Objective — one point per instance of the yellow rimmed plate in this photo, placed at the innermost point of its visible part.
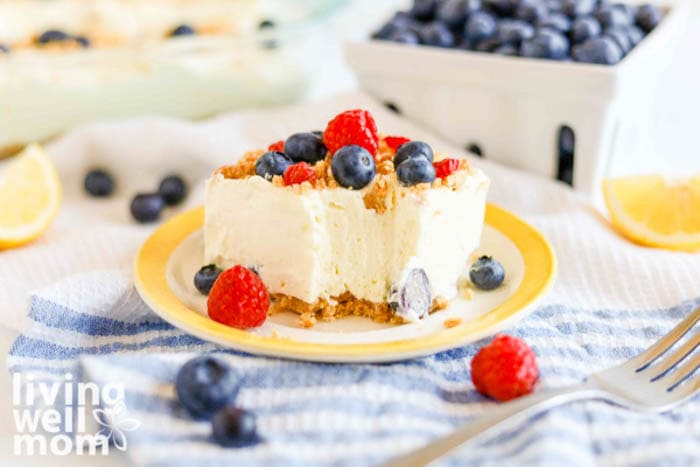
(167, 261)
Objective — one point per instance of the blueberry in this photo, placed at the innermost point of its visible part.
(488, 45)
(146, 207)
(599, 50)
(576, 8)
(411, 150)
(353, 167)
(53, 35)
(424, 10)
(475, 149)
(412, 299)
(513, 31)
(82, 41)
(4, 49)
(415, 170)
(648, 17)
(234, 427)
(630, 10)
(547, 43)
(506, 49)
(436, 34)
(479, 26)
(305, 147)
(502, 7)
(272, 163)
(584, 28)
(531, 11)
(182, 30)
(173, 189)
(405, 37)
(206, 276)
(455, 12)
(558, 21)
(99, 183)
(205, 384)
(621, 37)
(487, 273)
(386, 31)
(635, 34)
(266, 24)
(610, 16)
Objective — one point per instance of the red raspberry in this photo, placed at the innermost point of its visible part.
(352, 127)
(445, 167)
(394, 142)
(299, 173)
(505, 368)
(238, 299)
(278, 146)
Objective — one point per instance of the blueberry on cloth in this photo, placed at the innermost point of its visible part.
(99, 183)
(412, 299)
(305, 147)
(206, 276)
(353, 167)
(414, 171)
(272, 163)
(146, 207)
(205, 384)
(487, 273)
(234, 427)
(411, 150)
(173, 189)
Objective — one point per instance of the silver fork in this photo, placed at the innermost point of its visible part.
(657, 380)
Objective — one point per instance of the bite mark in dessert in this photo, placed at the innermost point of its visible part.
(355, 238)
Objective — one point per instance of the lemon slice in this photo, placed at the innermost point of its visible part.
(653, 211)
(30, 195)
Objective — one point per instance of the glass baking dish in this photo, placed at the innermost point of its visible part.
(44, 92)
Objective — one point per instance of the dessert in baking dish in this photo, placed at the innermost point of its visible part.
(346, 222)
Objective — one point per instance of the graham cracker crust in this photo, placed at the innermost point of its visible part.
(339, 307)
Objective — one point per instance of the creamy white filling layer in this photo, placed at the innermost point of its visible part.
(323, 243)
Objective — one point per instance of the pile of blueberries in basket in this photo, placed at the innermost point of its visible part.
(589, 31)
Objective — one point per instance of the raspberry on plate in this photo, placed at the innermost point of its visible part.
(299, 173)
(445, 167)
(394, 142)
(277, 146)
(505, 368)
(238, 299)
(352, 127)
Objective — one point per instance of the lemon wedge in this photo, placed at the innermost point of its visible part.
(30, 196)
(654, 211)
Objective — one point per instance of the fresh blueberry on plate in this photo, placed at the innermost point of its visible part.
(584, 28)
(415, 170)
(353, 167)
(479, 26)
(173, 189)
(436, 34)
(621, 36)
(182, 30)
(598, 50)
(648, 17)
(558, 21)
(487, 273)
(411, 150)
(272, 163)
(99, 183)
(502, 7)
(305, 147)
(146, 207)
(635, 34)
(205, 384)
(577, 8)
(206, 276)
(234, 427)
(547, 43)
(610, 16)
(455, 12)
(531, 11)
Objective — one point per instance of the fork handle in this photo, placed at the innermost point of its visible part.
(513, 412)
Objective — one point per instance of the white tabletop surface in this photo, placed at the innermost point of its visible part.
(676, 137)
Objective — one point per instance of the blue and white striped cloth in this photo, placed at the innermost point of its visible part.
(95, 326)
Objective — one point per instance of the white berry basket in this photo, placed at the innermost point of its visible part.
(513, 108)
